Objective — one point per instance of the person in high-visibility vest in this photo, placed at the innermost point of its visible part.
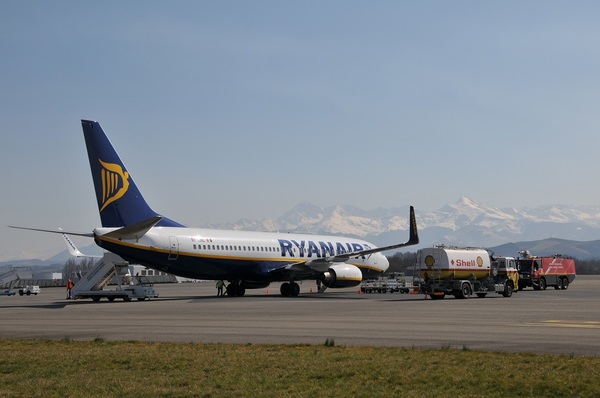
(69, 287)
(220, 285)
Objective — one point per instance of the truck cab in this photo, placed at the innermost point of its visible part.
(504, 270)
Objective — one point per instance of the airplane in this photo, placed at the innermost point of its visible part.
(246, 259)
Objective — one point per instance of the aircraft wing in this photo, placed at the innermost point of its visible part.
(323, 264)
(413, 239)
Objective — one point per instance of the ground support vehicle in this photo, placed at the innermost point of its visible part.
(110, 268)
(463, 272)
(541, 272)
(29, 290)
(10, 276)
(393, 283)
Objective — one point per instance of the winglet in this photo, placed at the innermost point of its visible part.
(73, 250)
(413, 237)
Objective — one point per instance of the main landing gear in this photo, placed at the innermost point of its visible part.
(235, 289)
(291, 289)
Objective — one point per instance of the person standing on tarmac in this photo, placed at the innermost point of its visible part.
(69, 287)
(220, 285)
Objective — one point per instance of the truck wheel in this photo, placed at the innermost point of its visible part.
(96, 298)
(565, 284)
(465, 291)
(508, 290)
(543, 285)
(28, 293)
(559, 283)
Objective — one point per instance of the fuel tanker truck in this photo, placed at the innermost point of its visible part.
(463, 272)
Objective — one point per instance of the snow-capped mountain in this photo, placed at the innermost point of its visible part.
(465, 222)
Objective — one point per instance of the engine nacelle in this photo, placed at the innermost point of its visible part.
(342, 275)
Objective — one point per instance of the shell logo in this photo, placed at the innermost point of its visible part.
(479, 261)
(429, 261)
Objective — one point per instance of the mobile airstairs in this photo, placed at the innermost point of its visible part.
(10, 276)
(92, 284)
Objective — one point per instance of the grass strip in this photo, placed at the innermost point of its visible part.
(99, 368)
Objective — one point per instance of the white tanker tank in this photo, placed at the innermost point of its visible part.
(465, 271)
(443, 263)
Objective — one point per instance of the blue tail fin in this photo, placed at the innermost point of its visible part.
(119, 200)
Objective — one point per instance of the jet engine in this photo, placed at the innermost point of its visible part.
(342, 275)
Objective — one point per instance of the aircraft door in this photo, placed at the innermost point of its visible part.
(173, 248)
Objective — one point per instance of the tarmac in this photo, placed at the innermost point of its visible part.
(542, 322)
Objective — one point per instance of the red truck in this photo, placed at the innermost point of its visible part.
(541, 272)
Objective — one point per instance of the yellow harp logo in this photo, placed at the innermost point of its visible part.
(115, 182)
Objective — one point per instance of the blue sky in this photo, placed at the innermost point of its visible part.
(231, 109)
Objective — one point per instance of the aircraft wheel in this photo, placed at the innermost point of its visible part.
(285, 289)
(295, 289)
(230, 290)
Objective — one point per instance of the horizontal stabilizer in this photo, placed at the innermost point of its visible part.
(134, 231)
(55, 231)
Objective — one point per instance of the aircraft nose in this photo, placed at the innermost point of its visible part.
(383, 262)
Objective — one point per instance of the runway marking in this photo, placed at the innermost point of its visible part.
(555, 323)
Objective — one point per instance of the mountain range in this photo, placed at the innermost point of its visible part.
(563, 229)
(543, 230)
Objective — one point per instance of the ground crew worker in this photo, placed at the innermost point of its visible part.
(220, 285)
(69, 287)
